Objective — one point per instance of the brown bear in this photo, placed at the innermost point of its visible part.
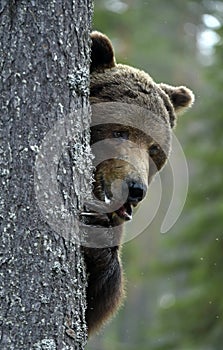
(132, 118)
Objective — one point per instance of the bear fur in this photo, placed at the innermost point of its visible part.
(117, 92)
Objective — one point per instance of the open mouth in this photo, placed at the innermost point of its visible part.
(125, 212)
(92, 217)
(110, 209)
(101, 212)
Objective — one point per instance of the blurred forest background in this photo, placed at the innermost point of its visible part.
(175, 280)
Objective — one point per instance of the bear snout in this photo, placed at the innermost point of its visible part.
(137, 191)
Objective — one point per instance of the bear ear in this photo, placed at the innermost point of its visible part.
(102, 52)
(181, 97)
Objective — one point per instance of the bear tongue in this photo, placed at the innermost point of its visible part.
(125, 212)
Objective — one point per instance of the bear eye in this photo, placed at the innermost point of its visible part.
(154, 150)
(121, 135)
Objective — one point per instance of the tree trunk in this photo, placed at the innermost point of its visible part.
(45, 169)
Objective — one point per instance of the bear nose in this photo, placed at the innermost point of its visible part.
(137, 192)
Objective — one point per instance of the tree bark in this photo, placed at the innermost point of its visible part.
(44, 78)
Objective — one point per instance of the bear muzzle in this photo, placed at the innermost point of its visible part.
(136, 193)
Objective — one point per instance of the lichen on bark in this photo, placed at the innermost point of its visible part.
(44, 49)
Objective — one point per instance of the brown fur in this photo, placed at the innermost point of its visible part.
(122, 95)
(105, 285)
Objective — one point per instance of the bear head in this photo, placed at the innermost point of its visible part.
(132, 119)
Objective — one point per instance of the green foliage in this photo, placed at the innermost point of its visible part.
(175, 280)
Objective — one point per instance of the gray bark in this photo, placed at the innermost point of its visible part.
(44, 78)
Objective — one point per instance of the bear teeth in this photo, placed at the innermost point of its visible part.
(107, 200)
(125, 212)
